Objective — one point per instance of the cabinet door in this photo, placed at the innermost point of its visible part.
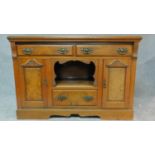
(116, 83)
(33, 83)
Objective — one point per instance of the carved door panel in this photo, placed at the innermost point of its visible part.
(33, 83)
(116, 83)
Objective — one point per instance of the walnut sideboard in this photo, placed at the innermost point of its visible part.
(75, 75)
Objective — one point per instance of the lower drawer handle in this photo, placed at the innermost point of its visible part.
(61, 98)
(88, 98)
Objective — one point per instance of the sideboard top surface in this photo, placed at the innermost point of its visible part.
(55, 38)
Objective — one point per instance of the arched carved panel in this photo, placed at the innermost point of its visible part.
(61, 61)
(32, 63)
(117, 63)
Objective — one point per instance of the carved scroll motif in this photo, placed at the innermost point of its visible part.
(32, 63)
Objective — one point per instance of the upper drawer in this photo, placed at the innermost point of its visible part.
(110, 49)
(44, 49)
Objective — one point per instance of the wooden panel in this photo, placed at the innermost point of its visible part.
(104, 49)
(33, 89)
(75, 98)
(44, 49)
(105, 114)
(116, 84)
(33, 84)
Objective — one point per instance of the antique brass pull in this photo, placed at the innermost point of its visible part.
(122, 51)
(88, 98)
(62, 50)
(27, 51)
(87, 50)
(61, 98)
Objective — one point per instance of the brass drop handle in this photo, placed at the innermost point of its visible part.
(62, 50)
(88, 98)
(61, 97)
(27, 51)
(122, 51)
(87, 50)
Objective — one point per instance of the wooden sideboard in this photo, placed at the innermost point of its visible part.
(75, 75)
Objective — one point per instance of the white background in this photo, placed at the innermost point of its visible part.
(77, 17)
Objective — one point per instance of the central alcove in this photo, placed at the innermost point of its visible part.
(74, 72)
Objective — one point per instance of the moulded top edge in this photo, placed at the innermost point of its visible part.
(74, 38)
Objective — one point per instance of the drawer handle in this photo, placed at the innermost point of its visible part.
(61, 98)
(87, 50)
(27, 51)
(62, 50)
(88, 98)
(122, 51)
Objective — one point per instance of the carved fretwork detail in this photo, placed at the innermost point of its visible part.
(32, 63)
(74, 59)
(116, 64)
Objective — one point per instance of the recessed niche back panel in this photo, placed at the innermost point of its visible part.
(74, 70)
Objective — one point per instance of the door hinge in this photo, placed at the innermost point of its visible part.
(45, 82)
(104, 84)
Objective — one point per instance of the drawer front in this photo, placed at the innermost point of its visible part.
(105, 50)
(44, 50)
(74, 98)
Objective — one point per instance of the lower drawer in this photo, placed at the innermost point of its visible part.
(75, 97)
